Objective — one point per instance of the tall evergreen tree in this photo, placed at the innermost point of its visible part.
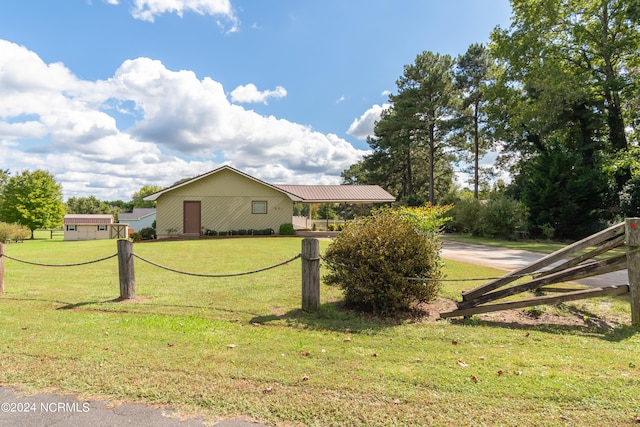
(472, 75)
(409, 156)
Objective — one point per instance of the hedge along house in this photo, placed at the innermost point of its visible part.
(92, 227)
(227, 199)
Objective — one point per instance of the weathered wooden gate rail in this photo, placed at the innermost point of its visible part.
(310, 270)
(627, 233)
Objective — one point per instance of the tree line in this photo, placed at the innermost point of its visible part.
(556, 95)
(34, 199)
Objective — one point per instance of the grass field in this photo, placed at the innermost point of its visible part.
(222, 347)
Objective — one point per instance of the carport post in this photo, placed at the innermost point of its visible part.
(310, 274)
(127, 272)
(632, 227)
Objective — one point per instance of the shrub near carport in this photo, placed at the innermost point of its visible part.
(373, 257)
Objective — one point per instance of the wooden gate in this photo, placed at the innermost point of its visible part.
(574, 264)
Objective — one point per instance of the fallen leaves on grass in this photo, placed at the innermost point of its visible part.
(461, 363)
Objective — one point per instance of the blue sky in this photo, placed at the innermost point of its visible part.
(112, 95)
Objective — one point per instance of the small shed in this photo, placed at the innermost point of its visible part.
(138, 219)
(92, 227)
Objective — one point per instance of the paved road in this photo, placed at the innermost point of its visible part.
(53, 410)
(513, 259)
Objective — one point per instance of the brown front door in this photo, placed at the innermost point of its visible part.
(191, 217)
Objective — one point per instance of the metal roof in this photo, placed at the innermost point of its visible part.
(339, 193)
(137, 213)
(84, 219)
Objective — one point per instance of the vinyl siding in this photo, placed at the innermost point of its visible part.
(226, 204)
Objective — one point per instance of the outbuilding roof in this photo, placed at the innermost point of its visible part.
(305, 193)
(87, 219)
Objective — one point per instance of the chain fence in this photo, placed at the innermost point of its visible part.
(75, 264)
(244, 273)
(155, 264)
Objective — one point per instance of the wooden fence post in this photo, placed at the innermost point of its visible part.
(127, 272)
(310, 274)
(632, 227)
(1, 268)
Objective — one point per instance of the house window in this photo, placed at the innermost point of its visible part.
(259, 207)
(102, 227)
(71, 228)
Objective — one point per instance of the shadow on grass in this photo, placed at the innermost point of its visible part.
(593, 326)
(333, 316)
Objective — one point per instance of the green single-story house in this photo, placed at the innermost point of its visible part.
(227, 199)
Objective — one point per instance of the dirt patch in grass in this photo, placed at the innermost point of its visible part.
(570, 315)
(136, 300)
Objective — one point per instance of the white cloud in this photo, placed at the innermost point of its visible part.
(184, 126)
(250, 94)
(148, 10)
(363, 127)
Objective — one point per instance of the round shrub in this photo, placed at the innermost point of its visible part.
(148, 233)
(376, 259)
(287, 229)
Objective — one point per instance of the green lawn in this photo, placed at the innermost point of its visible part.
(240, 346)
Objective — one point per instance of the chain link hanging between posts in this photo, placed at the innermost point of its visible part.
(59, 265)
(216, 275)
(431, 279)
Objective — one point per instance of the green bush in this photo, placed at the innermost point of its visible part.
(373, 257)
(287, 229)
(332, 227)
(242, 232)
(21, 232)
(630, 198)
(136, 237)
(501, 217)
(6, 232)
(148, 233)
(15, 232)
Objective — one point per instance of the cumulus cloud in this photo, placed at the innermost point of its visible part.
(363, 127)
(250, 94)
(184, 126)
